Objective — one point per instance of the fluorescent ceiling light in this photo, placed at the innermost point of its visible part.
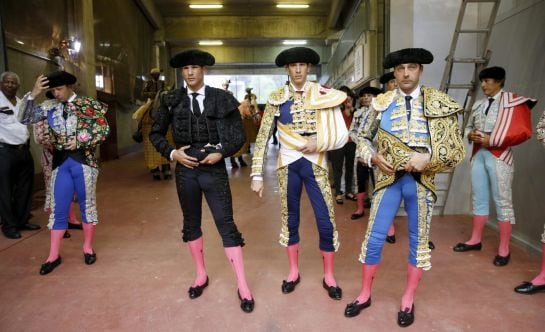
(211, 42)
(19, 41)
(291, 5)
(294, 42)
(210, 6)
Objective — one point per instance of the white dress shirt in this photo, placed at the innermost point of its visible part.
(11, 130)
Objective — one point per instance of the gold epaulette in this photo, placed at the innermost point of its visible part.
(279, 96)
(383, 100)
(321, 97)
(438, 104)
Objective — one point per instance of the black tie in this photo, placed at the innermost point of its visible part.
(490, 101)
(64, 111)
(408, 106)
(196, 107)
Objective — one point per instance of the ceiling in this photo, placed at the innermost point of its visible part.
(250, 23)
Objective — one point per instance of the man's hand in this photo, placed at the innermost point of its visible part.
(310, 146)
(418, 162)
(71, 144)
(257, 187)
(380, 161)
(212, 158)
(182, 158)
(482, 138)
(41, 84)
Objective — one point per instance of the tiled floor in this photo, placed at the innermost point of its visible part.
(140, 280)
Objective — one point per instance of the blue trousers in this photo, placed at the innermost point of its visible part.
(418, 203)
(69, 178)
(291, 179)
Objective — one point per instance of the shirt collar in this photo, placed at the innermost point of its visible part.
(415, 94)
(200, 91)
(72, 97)
(496, 96)
(303, 89)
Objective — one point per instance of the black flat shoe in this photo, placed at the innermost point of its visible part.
(501, 260)
(195, 292)
(90, 258)
(12, 235)
(289, 286)
(336, 293)
(431, 245)
(529, 288)
(74, 226)
(245, 304)
(462, 247)
(29, 227)
(391, 239)
(353, 309)
(66, 235)
(357, 215)
(405, 318)
(48, 267)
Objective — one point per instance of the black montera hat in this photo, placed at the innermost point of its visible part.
(371, 90)
(60, 78)
(297, 54)
(496, 73)
(408, 55)
(192, 57)
(385, 78)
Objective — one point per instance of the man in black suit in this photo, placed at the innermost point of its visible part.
(207, 128)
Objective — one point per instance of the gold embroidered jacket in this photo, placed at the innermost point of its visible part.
(445, 140)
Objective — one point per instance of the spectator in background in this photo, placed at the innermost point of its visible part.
(16, 164)
(363, 171)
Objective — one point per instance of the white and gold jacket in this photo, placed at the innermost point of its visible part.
(298, 116)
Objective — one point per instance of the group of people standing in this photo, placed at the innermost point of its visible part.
(403, 137)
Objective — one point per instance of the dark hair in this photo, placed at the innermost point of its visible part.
(349, 93)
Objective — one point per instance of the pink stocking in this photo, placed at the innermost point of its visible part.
(88, 234)
(293, 258)
(391, 230)
(234, 254)
(540, 279)
(360, 198)
(196, 250)
(328, 258)
(56, 238)
(72, 218)
(505, 235)
(367, 275)
(478, 227)
(414, 274)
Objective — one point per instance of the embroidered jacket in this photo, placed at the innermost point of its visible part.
(432, 127)
(512, 124)
(316, 112)
(86, 121)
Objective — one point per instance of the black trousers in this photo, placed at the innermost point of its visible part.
(343, 157)
(213, 182)
(16, 180)
(363, 173)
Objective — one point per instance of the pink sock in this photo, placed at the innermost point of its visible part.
(56, 239)
(367, 275)
(478, 227)
(391, 230)
(234, 254)
(293, 258)
(414, 274)
(540, 279)
(88, 234)
(505, 235)
(196, 250)
(328, 258)
(72, 218)
(360, 198)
